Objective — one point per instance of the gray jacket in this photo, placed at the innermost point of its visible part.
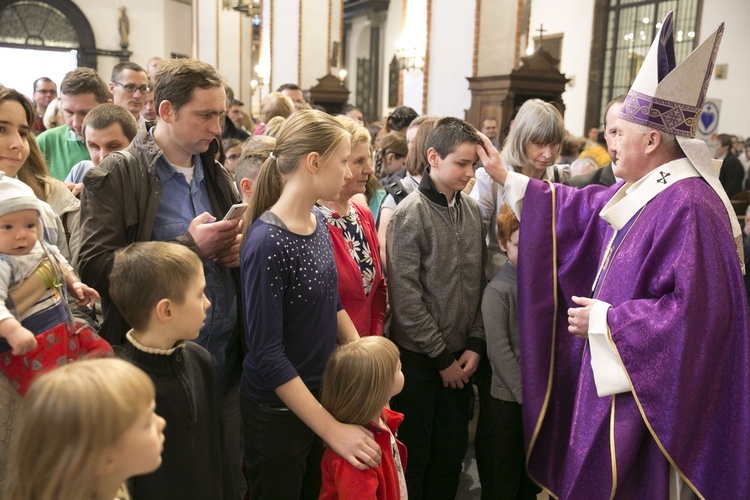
(436, 275)
(500, 313)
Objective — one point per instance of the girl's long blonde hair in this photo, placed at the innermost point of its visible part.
(70, 418)
(358, 379)
(305, 132)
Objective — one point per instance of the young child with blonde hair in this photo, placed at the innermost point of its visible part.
(359, 380)
(44, 336)
(83, 430)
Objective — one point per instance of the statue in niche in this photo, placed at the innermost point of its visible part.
(124, 27)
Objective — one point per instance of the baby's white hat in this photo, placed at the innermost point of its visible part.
(16, 196)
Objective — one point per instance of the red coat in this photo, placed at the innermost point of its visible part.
(367, 311)
(343, 481)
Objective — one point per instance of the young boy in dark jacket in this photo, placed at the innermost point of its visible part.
(159, 289)
(436, 255)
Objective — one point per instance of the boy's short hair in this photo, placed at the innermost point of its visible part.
(105, 115)
(448, 134)
(178, 78)
(255, 152)
(85, 81)
(145, 273)
(507, 224)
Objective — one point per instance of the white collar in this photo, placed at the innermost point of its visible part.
(630, 198)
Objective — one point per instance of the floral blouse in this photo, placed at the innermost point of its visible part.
(354, 236)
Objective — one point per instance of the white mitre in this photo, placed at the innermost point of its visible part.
(669, 98)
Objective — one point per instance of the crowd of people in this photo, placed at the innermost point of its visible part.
(198, 304)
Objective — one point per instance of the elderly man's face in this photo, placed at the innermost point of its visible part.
(610, 131)
(630, 151)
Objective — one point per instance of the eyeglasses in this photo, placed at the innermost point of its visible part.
(130, 88)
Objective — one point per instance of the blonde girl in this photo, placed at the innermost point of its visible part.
(359, 380)
(83, 430)
(292, 313)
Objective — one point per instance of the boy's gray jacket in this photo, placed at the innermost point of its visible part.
(436, 274)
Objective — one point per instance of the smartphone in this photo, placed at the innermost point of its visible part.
(235, 211)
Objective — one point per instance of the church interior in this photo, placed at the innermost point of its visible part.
(476, 60)
(470, 59)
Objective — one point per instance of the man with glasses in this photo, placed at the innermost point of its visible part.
(45, 91)
(80, 91)
(129, 87)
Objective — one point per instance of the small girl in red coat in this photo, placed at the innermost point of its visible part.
(359, 380)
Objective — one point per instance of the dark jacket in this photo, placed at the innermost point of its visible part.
(114, 213)
(195, 462)
(731, 175)
(604, 176)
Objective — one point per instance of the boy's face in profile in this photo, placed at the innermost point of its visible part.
(189, 315)
(453, 173)
(18, 232)
(511, 248)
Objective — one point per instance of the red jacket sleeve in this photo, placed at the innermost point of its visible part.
(343, 481)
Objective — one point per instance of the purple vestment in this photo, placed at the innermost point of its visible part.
(680, 325)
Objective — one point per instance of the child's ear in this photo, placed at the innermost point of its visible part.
(246, 186)
(502, 246)
(107, 464)
(389, 158)
(312, 162)
(164, 311)
(432, 157)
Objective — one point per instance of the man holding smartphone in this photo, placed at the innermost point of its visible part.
(173, 190)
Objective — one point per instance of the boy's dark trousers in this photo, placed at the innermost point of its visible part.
(435, 431)
(483, 435)
(510, 478)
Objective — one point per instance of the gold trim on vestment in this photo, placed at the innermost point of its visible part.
(632, 388)
(648, 424)
(612, 451)
(547, 395)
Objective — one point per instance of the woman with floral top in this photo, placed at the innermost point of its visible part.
(355, 240)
